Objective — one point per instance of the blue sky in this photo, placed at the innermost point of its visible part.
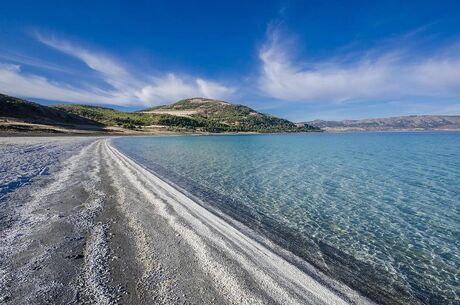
(300, 60)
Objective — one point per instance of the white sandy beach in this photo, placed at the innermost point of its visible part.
(81, 223)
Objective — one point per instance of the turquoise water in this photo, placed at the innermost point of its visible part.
(379, 211)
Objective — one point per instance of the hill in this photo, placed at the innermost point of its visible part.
(190, 115)
(402, 123)
(221, 115)
(21, 115)
(11, 107)
(195, 114)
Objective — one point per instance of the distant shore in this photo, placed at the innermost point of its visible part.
(100, 228)
(345, 130)
(22, 129)
(29, 129)
(36, 130)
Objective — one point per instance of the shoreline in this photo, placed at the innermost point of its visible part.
(311, 256)
(34, 134)
(110, 214)
(208, 212)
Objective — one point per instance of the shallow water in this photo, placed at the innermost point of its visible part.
(380, 211)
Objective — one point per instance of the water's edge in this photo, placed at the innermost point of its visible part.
(309, 255)
(300, 274)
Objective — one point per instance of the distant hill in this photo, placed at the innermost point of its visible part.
(402, 123)
(221, 115)
(25, 111)
(190, 115)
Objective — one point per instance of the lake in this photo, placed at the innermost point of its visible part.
(378, 211)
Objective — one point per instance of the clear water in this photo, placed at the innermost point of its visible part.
(380, 211)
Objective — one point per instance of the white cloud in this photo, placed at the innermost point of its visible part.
(125, 87)
(210, 88)
(10, 67)
(173, 87)
(98, 62)
(14, 82)
(390, 75)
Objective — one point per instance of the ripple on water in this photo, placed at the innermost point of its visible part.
(381, 206)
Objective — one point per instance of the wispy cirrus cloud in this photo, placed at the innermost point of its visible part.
(369, 76)
(120, 86)
(15, 82)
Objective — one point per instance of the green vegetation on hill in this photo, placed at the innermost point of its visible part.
(111, 117)
(218, 115)
(196, 114)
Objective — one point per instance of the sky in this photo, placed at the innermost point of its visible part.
(300, 60)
